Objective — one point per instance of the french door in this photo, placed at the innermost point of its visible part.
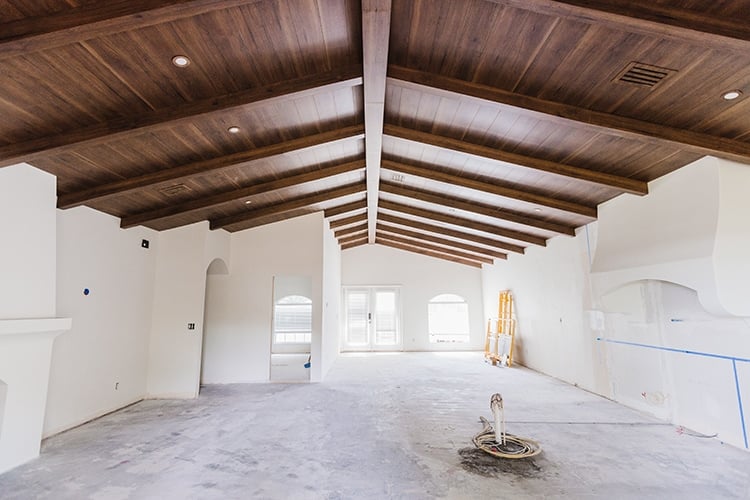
(373, 317)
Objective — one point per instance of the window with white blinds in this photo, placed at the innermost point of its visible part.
(448, 319)
(292, 320)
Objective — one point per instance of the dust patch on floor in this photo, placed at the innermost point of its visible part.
(478, 462)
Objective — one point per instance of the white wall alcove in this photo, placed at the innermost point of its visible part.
(25, 356)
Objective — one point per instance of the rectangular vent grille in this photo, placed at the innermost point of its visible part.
(174, 190)
(643, 75)
(397, 177)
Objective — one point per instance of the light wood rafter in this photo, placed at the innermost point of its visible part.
(376, 28)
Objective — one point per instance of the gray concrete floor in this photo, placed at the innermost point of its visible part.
(381, 426)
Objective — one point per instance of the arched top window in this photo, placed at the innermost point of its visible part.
(448, 319)
(292, 320)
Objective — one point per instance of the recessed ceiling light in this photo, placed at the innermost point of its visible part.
(247, 202)
(732, 95)
(181, 61)
(233, 129)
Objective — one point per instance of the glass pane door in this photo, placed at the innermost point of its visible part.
(372, 319)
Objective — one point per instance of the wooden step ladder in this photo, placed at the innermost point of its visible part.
(501, 331)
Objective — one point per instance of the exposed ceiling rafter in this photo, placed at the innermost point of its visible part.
(429, 253)
(127, 126)
(615, 182)
(229, 196)
(453, 233)
(434, 248)
(291, 204)
(474, 207)
(207, 166)
(345, 208)
(619, 126)
(464, 222)
(646, 18)
(29, 35)
(498, 188)
(346, 221)
(376, 29)
(350, 230)
(387, 228)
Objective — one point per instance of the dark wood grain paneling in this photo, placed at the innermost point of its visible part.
(413, 248)
(387, 228)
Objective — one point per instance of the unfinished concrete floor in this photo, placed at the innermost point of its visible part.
(381, 426)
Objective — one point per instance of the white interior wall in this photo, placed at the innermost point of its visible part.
(101, 364)
(421, 278)
(240, 305)
(331, 300)
(28, 326)
(183, 258)
(27, 253)
(655, 283)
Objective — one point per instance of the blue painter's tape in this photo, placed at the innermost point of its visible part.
(733, 359)
(672, 349)
(739, 401)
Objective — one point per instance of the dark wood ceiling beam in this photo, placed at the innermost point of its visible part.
(345, 208)
(453, 233)
(616, 182)
(350, 230)
(205, 167)
(434, 248)
(437, 255)
(618, 126)
(347, 221)
(387, 228)
(463, 222)
(474, 207)
(646, 18)
(98, 19)
(291, 204)
(236, 194)
(494, 187)
(123, 127)
(376, 29)
(353, 237)
(358, 243)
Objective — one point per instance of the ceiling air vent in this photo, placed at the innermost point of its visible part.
(397, 177)
(174, 190)
(643, 75)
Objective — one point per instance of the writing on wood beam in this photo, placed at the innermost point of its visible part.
(205, 167)
(387, 228)
(607, 123)
(616, 182)
(120, 128)
(477, 208)
(292, 204)
(236, 194)
(496, 188)
(453, 233)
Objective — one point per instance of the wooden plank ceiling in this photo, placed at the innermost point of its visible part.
(458, 132)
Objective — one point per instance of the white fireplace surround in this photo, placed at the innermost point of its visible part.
(25, 358)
